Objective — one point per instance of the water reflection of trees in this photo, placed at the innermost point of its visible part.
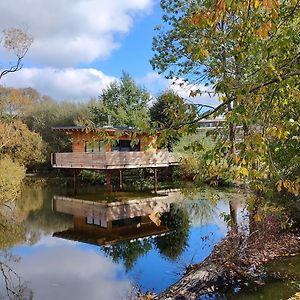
(170, 245)
(198, 207)
(14, 287)
(24, 220)
(128, 251)
(11, 233)
(34, 207)
(173, 244)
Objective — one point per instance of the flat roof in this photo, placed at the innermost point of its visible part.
(101, 128)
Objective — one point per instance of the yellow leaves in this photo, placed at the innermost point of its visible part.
(236, 159)
(228, 116)
(244, 171)
(221, 5)
(269, 4)
(196, 20)
(258, 99)
(278, 132)
(274, 14)
(257, 218)
(189, 49)
(291, 186)
(279, 186)
(264, 30)
(205, 53)
(295, 297)
(256, 3)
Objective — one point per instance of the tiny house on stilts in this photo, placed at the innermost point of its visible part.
(111, 149)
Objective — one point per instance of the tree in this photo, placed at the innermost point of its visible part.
(20, 144)
(123, 103)
(49, 113)
(17, 142)
(248, 51)
(17, 41)
(169, 111)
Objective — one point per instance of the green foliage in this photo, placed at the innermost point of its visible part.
(49, 113)
(22, 145)
(92, 177)
(124, 103)
(128, 252)
(197, 159)
(11, 177)
(11, 232)
(248, 52)
(168, 112)
(173, 244)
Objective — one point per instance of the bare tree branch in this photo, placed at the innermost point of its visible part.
(220, 106)
(17, 41)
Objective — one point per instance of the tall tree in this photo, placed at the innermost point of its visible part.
(49, 113)
(249, 52)
(169, 111)
(122, 103)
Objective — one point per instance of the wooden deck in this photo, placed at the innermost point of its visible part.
(113, 160)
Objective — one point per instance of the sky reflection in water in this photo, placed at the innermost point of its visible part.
(54, 268)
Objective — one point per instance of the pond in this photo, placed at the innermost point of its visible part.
(106, 246)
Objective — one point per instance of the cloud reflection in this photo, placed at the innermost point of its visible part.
(69, 272)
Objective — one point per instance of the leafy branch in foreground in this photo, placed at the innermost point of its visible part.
(248, 53)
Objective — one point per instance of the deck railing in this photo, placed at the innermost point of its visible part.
(114, 160)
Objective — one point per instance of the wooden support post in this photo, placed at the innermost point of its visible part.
(155, 179)
(121, 179)
(108, 182)
(75, 181)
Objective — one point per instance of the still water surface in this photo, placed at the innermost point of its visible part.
(99, 246)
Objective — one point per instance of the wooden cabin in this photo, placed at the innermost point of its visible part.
(103, 223)
(111, 148)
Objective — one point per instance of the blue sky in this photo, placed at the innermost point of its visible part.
(81, 46)
(135, 53)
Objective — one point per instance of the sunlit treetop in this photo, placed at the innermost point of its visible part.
(217, 41)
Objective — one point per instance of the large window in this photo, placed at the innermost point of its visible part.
(95, 146)
(125, 145)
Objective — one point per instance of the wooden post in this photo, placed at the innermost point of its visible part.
(75, 181)
(155, 179)
(121, 179)
(108, 182)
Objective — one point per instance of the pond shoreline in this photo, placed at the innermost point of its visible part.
(221, 269)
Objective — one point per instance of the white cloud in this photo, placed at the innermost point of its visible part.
(67, 32)
(67, 84)
(156, 83)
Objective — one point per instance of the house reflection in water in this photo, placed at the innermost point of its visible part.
(106, 224)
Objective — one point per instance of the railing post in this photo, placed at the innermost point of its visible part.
(75, 181)
(108, 181)
(53, 159)
(155, 179)
(121, 179)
